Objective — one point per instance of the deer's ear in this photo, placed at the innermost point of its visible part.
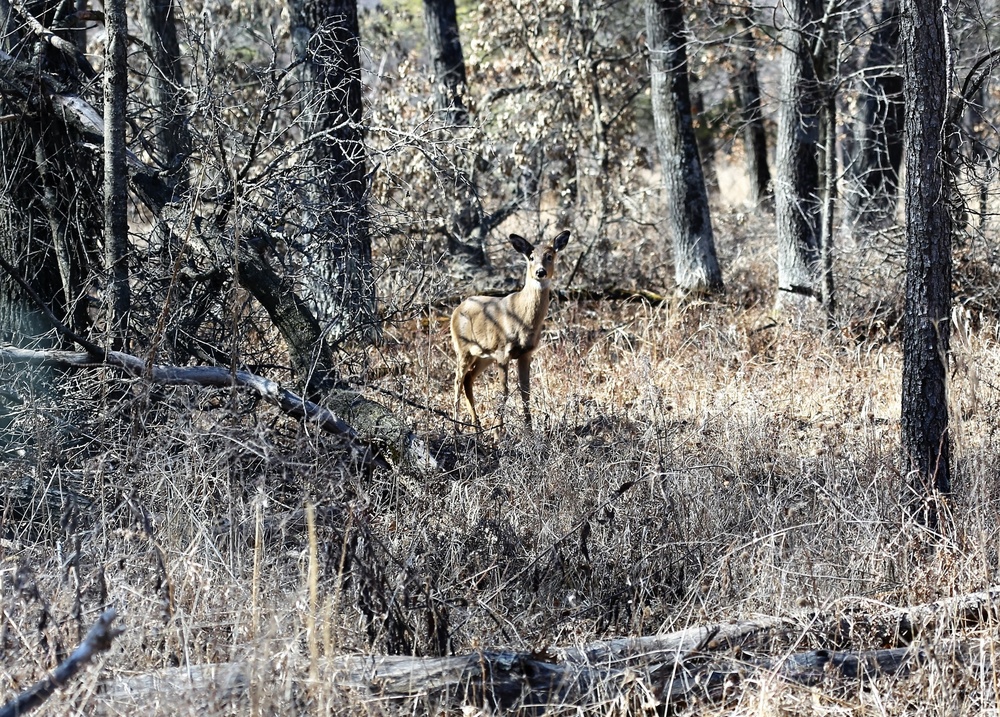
(561, 240)
(521, 244)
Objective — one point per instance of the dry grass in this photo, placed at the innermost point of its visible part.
(691, 462)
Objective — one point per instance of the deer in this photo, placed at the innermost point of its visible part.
(487, 330)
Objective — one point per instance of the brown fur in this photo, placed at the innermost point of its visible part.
(487, 330)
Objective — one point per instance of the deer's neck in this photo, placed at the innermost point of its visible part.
(533, 300)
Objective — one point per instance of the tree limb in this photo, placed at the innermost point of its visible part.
(64, 46)
(212, 376)
(98, 640)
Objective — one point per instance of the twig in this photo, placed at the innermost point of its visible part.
(98, 639)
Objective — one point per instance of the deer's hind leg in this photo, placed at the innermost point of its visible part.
(524, 386)
(465, 375)
(463, 365)
(504, 391)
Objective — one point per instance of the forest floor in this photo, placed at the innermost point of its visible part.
(692, 462)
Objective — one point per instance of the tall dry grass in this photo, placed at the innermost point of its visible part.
(693, 461)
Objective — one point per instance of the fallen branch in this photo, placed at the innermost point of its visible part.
(98, 639)
(210, 376)
(698, 663)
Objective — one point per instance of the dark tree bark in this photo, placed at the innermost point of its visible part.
(466, 236)
(696, 266)
(325, 36)
(747, 91)
(51, 219)
(796, 183)
(445, 48)
(706, 141)
(116, 286)
(878, 152)
(171, 139)
(926, 326)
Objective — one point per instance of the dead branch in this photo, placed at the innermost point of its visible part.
(700, 663)
(64, 46)
(209, 376)
(98, 640)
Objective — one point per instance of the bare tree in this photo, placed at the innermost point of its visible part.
(926, 327)
(335, 222)
(878, 143)
(796, 182)
(171, 138)
(468, 230)
(747, 90)
(696, 266)
(117, 290)
(445, 48)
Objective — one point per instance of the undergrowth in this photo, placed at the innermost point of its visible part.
(692, 461)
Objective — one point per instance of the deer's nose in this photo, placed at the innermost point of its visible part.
(540, 272)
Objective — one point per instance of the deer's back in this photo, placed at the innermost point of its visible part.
(501, 329)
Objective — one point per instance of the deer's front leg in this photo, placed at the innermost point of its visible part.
(524, 384)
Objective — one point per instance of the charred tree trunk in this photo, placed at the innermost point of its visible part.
(116, 288)
(696, 266)
(466, 236)
(926, 327)
(796, 185)
(171, 139)
(874, 172)
(747, 91)
(445, 49)
(335, 220)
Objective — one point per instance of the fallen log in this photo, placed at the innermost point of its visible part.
(510, 681)
(700, 663)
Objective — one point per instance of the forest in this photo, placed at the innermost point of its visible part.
(257, 259)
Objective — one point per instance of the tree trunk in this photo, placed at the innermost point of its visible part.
(926, 326)
(826, 62)
(796, 186)
(335, 222)
(117, 294)
(696, 266)
(874, 171)
(747, 90)
(445, 49)
(466, 237)
(51, 216)
(171, 140)
(706, 141)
